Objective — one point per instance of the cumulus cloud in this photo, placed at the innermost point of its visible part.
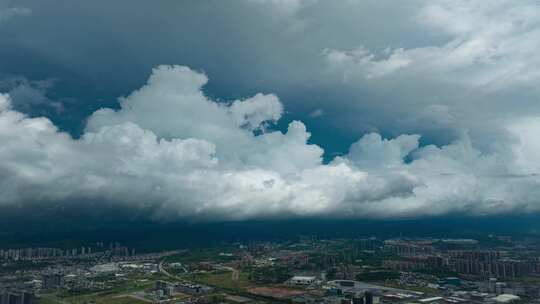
(253, 112)
(372, 150)
(172, 149)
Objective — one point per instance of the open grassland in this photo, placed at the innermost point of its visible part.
(222, 279)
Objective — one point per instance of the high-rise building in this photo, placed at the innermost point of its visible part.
(4, 297)
(16, 297)
(358, 299)
(169, 290)
(28, 298)
(160, 285)
(368, 297)
(53, 281)
(346, 301)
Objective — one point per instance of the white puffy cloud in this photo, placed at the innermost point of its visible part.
(489, 45)
(371, 150)
(253, 112)
(526, 147)
(474, 71)
(173, 150)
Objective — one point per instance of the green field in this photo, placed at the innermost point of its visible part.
(222, 280)
(117, 294)
(94, 299)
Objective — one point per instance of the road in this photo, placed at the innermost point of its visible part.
(165, 272)
(235, 273)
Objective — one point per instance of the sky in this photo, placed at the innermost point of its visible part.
(260, 109)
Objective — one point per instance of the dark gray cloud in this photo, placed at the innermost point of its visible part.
(101, 50)
(422, 67)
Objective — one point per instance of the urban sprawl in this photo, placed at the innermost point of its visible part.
(494, 269)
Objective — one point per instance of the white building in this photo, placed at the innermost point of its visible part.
(302, 280)
(105, 268)
(506, 298)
